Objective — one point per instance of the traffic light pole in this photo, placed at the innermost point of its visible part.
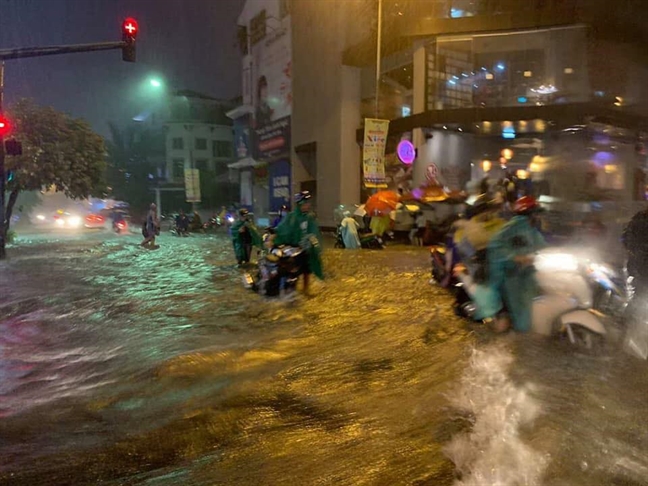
(3, 225)
(54, 50)
(127, 45)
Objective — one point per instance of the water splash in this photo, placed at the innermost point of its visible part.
(493, 452)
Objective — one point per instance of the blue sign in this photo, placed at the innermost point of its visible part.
(280, 184)
(242, 138)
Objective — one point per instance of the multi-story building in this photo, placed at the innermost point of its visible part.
(198, 135)
(554, 85)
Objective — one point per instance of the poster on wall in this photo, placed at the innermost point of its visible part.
(373, 152)
(280, 184)
(242, 138)
(192, 185)
(272, 84)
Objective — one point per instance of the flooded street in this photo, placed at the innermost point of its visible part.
(121, 366)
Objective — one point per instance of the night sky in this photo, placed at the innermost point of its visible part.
(190, 43)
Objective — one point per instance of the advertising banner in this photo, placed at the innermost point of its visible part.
(242, 138)
(280, 184)
(272, 83)
(373, 152)
(192, 185)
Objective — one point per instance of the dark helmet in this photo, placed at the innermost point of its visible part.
(526, 205)
(302, 197)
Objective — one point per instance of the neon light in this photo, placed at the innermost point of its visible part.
(406, 152)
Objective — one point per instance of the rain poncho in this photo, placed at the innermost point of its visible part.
(515, 282)
(350, 235)
(301, 229)
(244, 241)
(380, 225)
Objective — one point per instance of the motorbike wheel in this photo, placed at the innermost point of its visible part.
(582, 338)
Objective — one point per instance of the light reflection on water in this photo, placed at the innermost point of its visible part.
(126, 365)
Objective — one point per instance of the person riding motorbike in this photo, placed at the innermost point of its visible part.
(182, 223)
(510, 261)
(636, 244)
(300, 228)
(244, 237)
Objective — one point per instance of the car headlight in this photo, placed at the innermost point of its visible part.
(74, 221)
(60, 222)
(40, 217)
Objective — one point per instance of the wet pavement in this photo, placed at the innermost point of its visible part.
(120, 366)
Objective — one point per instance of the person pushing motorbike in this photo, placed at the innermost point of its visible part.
(300, 228)
(510, 259)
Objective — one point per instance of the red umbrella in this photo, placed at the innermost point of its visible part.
(382, 203)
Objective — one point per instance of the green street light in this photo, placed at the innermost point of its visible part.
(156, 83)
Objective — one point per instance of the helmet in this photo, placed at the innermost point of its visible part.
(302, 197)
(526, 205)
(244, 212)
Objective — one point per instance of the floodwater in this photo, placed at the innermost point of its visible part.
(124, 366)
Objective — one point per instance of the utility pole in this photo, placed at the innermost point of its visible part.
(378, 56)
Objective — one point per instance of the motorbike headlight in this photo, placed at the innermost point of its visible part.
(40, 217)
(60, 222)
(556, 262)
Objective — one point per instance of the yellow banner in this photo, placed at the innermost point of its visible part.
(373, 152)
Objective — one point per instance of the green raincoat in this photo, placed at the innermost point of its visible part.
(517, 284)
(237, 238)
(301, 229)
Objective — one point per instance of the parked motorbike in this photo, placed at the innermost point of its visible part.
(564, 306)
(368, 241)
(277, 272)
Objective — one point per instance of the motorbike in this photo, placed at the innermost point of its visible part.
(368, 241)
(564, 306)
(276, 273)
(212, 224)
(120, 227)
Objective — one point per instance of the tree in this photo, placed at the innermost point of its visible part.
(60, 153)
(130, 164)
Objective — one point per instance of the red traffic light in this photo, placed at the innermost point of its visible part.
(5, 126)
(130, 28)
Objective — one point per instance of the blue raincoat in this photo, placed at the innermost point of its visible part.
(515, 283)
(350, 233)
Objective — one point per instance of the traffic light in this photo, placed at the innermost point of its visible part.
(5, 126)
(129, 34)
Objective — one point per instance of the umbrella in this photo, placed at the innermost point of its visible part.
(382, 203)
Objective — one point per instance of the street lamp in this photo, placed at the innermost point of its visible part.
(156, 83)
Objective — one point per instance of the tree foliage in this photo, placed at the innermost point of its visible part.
(60, 153)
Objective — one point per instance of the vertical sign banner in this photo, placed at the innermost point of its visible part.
(192, 185)
(271, 72)
(373, 152)
(279, 184)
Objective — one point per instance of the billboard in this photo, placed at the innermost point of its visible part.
(280, 184)
(271, 72)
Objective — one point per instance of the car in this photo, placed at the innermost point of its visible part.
(95, 221)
